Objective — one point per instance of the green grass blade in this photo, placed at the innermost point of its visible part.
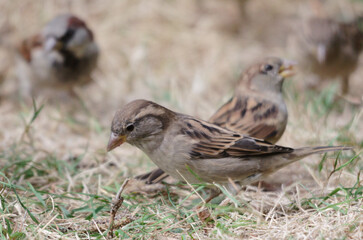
(346, 163)
(37, 194)
(228, 194)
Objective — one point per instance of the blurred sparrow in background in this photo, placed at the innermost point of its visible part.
(61, 56)
(330, 49)
(257, 108)
(196, 151)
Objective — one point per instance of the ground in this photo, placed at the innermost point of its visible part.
(57, 180)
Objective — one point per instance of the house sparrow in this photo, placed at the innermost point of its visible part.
(330, 49)
(257, 108)
(194, 150)
(61, 56)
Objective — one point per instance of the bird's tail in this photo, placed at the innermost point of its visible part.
(300, 153)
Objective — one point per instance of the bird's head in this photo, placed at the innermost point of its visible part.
(71, 34)
(267, 75)
(137, 121)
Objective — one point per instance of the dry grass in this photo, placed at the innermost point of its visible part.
(56, 180)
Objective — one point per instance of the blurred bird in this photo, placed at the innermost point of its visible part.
(4, 59)
(6, 55)
(62, 56)
(257, 108)
(193, 150)
(330, 49)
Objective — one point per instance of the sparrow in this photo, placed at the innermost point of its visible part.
(331, 49)
(257, 108)
(193, 150)
(62, 56)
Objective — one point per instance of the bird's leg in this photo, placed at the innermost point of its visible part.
(153, 177)
(214, 192)
(144, 176)
(267, 187)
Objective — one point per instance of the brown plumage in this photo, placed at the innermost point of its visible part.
(257, 108)
(330, 49)
(61, 56)
(178, 143)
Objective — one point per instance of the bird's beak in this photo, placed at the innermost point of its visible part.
(52, 44)
(287, 69)
(115, 141)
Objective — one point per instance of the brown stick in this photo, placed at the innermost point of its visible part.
(115, 205)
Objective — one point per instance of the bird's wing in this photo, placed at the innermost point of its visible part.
(211, 141)
(245, 115)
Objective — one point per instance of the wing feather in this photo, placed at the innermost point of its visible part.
(254, 117)
(218, 142)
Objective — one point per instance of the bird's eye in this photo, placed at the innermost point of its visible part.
(268, 67)
(130, 127)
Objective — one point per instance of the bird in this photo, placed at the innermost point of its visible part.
(196, 151)
(329, 48)
(61, 56)
(257, 108)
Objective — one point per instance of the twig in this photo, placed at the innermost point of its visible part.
(115, 205)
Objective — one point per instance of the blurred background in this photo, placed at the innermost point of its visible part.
(184, 54)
